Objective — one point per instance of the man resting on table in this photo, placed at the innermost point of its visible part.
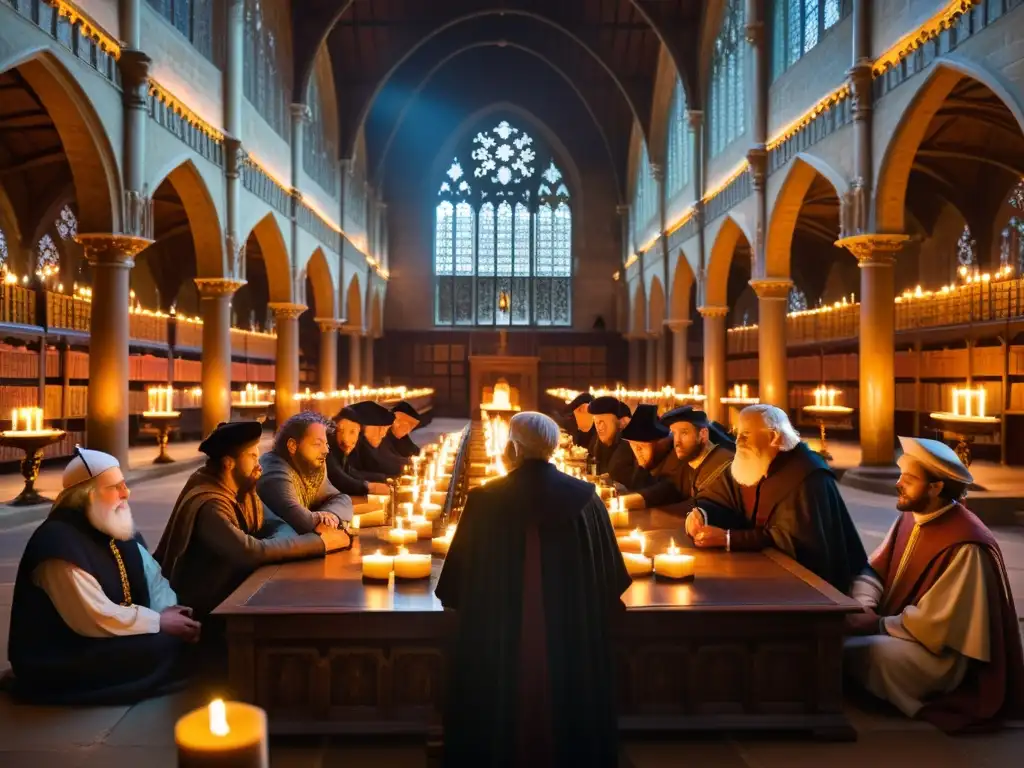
(655, 480)
(779, 493)
(294, 482)
(92, 621)
(219, 531)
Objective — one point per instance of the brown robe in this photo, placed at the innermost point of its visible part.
(989, 693)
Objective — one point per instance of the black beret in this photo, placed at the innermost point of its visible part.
(685, 413)
(624, 412)
(644, 427)
(605, 405)
(583, 398)
(408, 410)
(367, 414)
(230, 435)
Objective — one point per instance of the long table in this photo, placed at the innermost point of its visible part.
(753, 642)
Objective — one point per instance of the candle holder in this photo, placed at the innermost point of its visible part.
(827, 415)
(163, 421)
(964, 429)
(253, 411)
(32, 443)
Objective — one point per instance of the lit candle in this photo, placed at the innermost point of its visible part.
(370, 519)
(637, 564)
(672, 564)
(981, 401)
(619, 516)
(14, 419)
(423, 527)
(429, 509)
(409, 566)
(634, 542)
(439, 545)
(399, 535)
(956, 401)
(377, 567)
(223, 734)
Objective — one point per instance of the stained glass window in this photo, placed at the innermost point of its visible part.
(645, 194)
(267, 56)
(67, 223)
(679, 143)
(797, 300)
(319, 146)
(965, 245)
(798, 26)
(48, 257)
(193, 19)
(3, 252)
(503, 234)
(727, 79)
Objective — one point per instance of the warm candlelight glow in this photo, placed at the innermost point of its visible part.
(377, 567)
(218, 718)
(973, 402)
(637, 564)
(161, 400)
(672, 564)
(27, 420)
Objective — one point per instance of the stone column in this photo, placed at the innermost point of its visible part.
(367, 370)
(112, 257)
(659, 364)
(876, 257)
(714, 360)
(634, 361)
(286, 374)
(354, 356)
(773, 301)
(680, 362)
(134, 66)
(651, 362)
(328, 353)
(234, 156)
(215, 307)
(623, 211)
(130, 18)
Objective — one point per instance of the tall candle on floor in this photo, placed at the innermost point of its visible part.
(223, 734)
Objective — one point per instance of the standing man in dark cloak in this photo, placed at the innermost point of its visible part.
(612, 456)
(779, 493)
(535, 576)
(343, 462)
(656, 479)
(397, 441)
(580, 424)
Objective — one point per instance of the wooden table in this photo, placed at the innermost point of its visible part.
(754, 642)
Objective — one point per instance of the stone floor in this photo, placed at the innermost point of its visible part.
(131, 737)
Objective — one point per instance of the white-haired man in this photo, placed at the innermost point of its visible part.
(535, 575)
(93, 621)
(779, 493)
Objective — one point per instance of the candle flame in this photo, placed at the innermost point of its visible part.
(219, 718)
(672, 548)
(450, 531)
(402, 551)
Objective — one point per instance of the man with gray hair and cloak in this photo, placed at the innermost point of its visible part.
(779, 493)
(536, 577)
(93, 621)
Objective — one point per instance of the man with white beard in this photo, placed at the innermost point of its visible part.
(779, 493)
(93, 621)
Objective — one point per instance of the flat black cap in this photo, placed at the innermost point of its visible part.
(605, 405)
(583, 398)
(644, 427)
(408, 410)
(230, 435)
(624, 412)
(687, 414)
(367, 414)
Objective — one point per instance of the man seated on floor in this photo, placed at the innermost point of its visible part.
(612, 456)
(93, 621)
(939, 636)
(580, 424)
(655, 479)
(219, 531)
(779, 493)
(397, 440)
(535, 577)
(352, 452)
(294, 481)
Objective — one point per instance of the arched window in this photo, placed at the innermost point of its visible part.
(66, 223)
(502, 240)
(267, 56)
(319, 146)
(3, 253)
(728, 116)
(965, 245)
(797, 300)
(193, 18)
(645, 195)
(680, 147)
(798, 25)
(48, 257)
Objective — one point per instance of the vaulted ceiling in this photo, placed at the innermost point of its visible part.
(387, 54)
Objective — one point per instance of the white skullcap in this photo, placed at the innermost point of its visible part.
(534, 433)
(938, 459)
(86, 465)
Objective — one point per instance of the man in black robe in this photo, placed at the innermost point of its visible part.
(655, 480)
(779, 493)
(535, 576)
(219, 531)
(703, 447)
(611, 455)
(359, 430)
(397, 441)
(579, 422)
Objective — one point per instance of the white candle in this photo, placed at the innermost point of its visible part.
(423, 527)
(440, 544)
(672, 564)
(637, 564)
(981, 401)
(409, 566)
(377, 567)
(399, 535)
(634, 542)
(14, 419)
(223, 734)
(370, 519)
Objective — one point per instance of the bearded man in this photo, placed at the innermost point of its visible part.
(358, 430)
(779, 493)
(939, 636)
(93, 621)
(219, 531)
(294, 481)
(580, 421)
(610, 453)
(655, 480)
(397, 441)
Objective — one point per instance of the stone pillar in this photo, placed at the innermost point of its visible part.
(130, 19)
(634, 361)
(680, 362)
(876, 257)
(112, 257)
(328, 353)
(659, 364)
(234, 64)
(773, 301)
(354, 356)
(134, 66)
(234, 156)
(651, 363)
(215, 307)
(367, 370)
(714, 360)
(286, 374)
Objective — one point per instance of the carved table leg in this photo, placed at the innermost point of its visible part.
(163, 457)
(824, 452)
(30, 471)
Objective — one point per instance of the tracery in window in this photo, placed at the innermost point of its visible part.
(728, 113)
(47, 257)
(680, 146)
(798, 26)
(503, 234)
(66, 223)
(194, 19)
(965, 248)
(268, 61)
(797, 300)
(320, 144)
(3, 253)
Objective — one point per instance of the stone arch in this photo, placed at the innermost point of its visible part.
(716, 281)
(638, 323)
(275, 256)
(656, 307)
(354, 303)
(90, 155)
(905, 141)
(682, 286)
(800, 175)
(203, 219)
(376, 316)
(324, 293)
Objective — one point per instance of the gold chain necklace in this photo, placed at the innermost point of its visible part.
(124, 574)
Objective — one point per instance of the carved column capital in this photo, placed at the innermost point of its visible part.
(679, 326)
(772, 288)
(112, 250)
(134, 67)
(754, 32)
(215, 287)
(874, 250)
(327, 324)
(284, 310)
(861, 89)
(351, 330)
(301, 113)
(695, 117)
(234, 246)
(713, 310)
(757, 166)
(235, 157)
